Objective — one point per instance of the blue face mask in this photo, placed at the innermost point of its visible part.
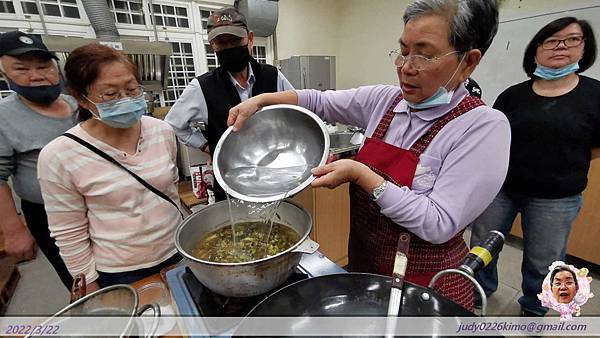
(441, 97)
(122, 113)
(548, 73)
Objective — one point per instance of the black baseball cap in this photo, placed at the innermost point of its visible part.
(16, 43)
(227, 20)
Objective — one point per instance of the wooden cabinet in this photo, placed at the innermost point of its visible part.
(585, 234)
(330, 210)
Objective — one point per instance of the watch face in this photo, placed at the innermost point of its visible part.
(379, 190)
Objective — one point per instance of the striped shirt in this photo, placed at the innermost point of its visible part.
(101, 217)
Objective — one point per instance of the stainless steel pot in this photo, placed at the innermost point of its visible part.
(249, 278)
(119, 300)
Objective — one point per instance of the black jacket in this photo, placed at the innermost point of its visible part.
(221, 95)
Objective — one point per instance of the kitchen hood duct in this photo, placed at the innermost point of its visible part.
(262, 15)
(151, 58)
(101, 19)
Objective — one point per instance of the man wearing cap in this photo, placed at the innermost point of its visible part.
(29, 119)
(239, 76)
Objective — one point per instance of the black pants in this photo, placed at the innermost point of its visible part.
(37, 222)
(220, 194)
(111, 278)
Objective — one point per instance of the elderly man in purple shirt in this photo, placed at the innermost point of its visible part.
(435, 157)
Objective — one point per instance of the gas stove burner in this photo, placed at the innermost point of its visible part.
(210, 304)
(195, 301)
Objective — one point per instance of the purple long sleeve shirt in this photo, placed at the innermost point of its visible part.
(458, 175)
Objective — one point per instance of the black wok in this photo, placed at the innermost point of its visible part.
(354, 294)
(351, 294)
(368, 295)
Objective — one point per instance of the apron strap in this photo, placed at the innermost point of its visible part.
(467, 104)
(386, 120)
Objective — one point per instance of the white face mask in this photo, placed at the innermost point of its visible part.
(441, 97)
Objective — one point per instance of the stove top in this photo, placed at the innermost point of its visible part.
(194, 300)
(210, 304)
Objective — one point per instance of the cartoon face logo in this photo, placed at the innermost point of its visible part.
(565, 289)
(564, 284)
(26, 40)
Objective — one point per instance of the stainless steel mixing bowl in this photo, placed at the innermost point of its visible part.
(270, 158)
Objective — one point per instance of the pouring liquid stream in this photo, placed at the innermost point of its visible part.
(270, 218)
(263, 213)
(280, 173)
(232, 220)
(261, 176)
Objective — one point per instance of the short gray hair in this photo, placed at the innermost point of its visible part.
(473, 23)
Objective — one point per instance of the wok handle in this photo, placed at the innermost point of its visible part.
(156, 321)
(307, 246)
(79, 289)
(481, 255)
(400, 264)
(467, 276)
(478, 258)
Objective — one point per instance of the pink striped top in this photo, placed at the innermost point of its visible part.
(101, 217)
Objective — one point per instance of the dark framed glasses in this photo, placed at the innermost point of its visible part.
(572, 41)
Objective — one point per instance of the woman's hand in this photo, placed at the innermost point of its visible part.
(93, 286)
(240, 113)
(339, 172)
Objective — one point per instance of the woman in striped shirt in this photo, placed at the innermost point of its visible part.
(107, 225)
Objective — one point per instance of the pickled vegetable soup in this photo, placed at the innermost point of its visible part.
(218, 246)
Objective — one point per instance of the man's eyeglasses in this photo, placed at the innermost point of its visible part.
(113, 95)
(572, 41)
(419, 62)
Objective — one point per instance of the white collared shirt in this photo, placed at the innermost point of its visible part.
(191, 107)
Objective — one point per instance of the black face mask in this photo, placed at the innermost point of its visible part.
(234, 59)
(39, 94)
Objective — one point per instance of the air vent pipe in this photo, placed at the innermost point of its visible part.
(102, 20)
(262, 15)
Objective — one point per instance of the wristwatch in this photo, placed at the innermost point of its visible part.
(378, 191)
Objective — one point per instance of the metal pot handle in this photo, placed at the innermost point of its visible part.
(156, 308)
(307, 246)
(79, 288)
(467, 276)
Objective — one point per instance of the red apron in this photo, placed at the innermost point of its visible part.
(374, 237)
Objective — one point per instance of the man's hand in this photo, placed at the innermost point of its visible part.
(205, 148)
(20, 244)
